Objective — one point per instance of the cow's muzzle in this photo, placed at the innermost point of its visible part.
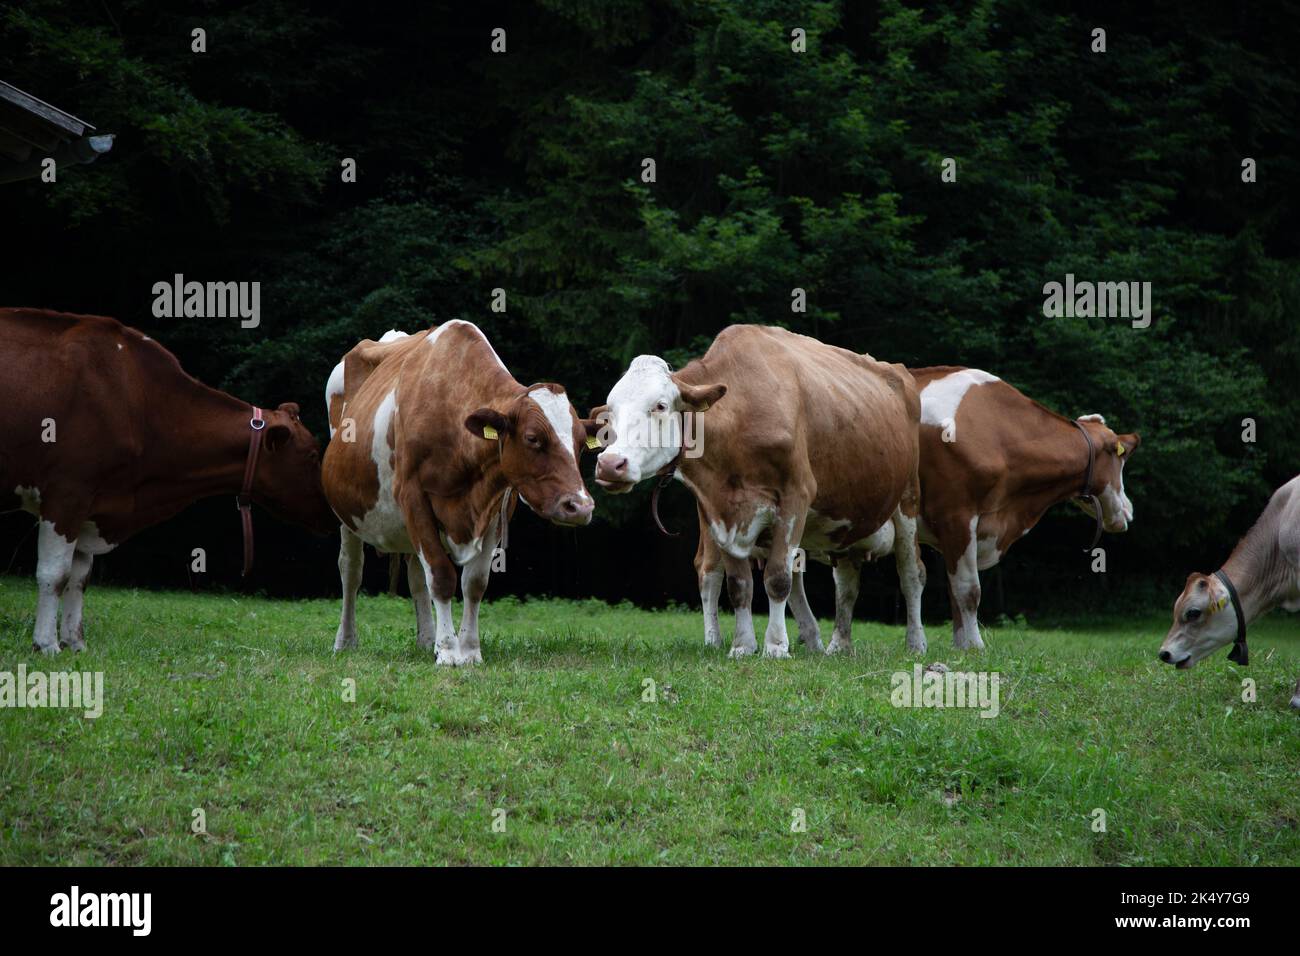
(613, 474)
(572, 509)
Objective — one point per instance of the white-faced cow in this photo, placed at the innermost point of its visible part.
(1263, 572)
(992, 463)
(432, 439)
(103, 434)
(798, 442)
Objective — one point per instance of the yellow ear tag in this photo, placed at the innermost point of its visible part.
(1119, 448)
(489, 433)
(593, 442)
(1218, 606)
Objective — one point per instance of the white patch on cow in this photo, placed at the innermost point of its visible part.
(384, 525)
(819, 532)
(461, 554)
(119, 346)
(555, 406)
(847, 580)
(392, 335)
(30, 499)
(90, 541)
(436, 333)
(738, 542)
(334, 387)
(1100, 420)
(986, 551)
(942, 397)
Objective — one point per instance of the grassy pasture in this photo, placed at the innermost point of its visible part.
(235, 705)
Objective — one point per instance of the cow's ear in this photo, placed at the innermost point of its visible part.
(277, 435)
(592, 427)
(488, 423)
(291, 409)
(598, 411)
(1127, 444)
(698, 398)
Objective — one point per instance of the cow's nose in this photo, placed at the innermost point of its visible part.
(611, 468)
(575, 509)
(1166, 657)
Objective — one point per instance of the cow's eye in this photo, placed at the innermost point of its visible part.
(1193, 614)
(661, 407)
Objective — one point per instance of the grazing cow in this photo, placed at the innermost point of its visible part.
(992, 463)
(1263, 572)
(104, 434)
(802, 443)
(432, 439)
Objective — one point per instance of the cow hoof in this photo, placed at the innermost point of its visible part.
(815, 646)
(345, 645)
(448, 657)
(917, 646)
(49, 650)
(838, 646)
(777, 651)
(712, 641)
(1295, 702)
(740, 651)
(424, 643)
(811, 640)
(73, 644)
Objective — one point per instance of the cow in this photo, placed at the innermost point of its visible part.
(800, 443)
(1263, 572)
(104, 434)
(992, 463)
(432, 441)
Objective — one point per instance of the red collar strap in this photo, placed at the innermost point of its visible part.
(244, 499)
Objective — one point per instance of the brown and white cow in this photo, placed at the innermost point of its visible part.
(432, 440)
(992, 463)
(1263, 572)
(102, 434)
(798, 442)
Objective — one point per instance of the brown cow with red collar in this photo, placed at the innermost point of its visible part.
(432, 441)
(103, 434)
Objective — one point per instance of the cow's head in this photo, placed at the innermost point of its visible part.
(287, 480)
(1110, 453)
(540, 438)
(1204, 621)
(642, 424)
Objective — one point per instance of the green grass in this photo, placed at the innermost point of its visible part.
(235, 705)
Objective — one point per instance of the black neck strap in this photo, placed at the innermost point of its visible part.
(1238, 654)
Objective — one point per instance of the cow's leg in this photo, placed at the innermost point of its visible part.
(424, 629)
(958, 639)
(708, 569)
(740, 589)
(74, 594)
(911, 577)
(809, 632)
(352, 560)
(961, 558)
(473, 584)
(787, 531)
(1295, 696)
(439, 572)
(848, 577)
(54, 555)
